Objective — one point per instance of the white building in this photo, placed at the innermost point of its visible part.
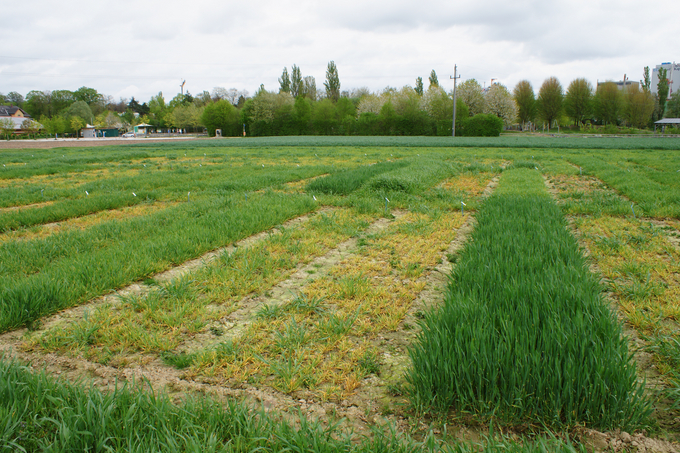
(673, 76)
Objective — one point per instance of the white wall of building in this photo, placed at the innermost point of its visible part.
(673, 77)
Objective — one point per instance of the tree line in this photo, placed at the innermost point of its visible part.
(298, 107)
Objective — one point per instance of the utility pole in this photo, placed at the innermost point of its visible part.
(455, 77)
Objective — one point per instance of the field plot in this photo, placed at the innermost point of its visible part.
(325, 297)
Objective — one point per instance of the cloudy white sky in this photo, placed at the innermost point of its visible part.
(142, 47)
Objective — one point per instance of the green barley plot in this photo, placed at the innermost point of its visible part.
(524, 334)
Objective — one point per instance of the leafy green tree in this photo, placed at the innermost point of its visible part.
(14, 99)
(7, 127)
(526, 101)
(61, 100)
(438, 104)
(31, 125)
(3, 99)
(302, 115)
(81, 110)
(284, 81)
(347, 112)
(77, 123)
(550, 99)
(260, 112)
(325, 117)
(471, 93)
(221, 115)
(332, 83)
(202, 99)
(608, 103)
(108, 119)
(158, 110)
(639, 106)
(673, 106)
(578, 102)
(498, 101)
(296, 82)
(187, 117)
(662, 89)
(87, 95)
(309, 89)
(434, 82)
(53, 126)
(39, 104)
(419, 86)
(387, 119)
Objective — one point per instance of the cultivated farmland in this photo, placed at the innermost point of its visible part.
(348, 294)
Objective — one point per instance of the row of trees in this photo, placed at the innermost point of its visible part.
(299, 108)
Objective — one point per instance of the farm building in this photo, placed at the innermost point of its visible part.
(17, 115)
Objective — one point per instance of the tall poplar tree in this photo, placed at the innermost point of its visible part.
(296, 82)
(419, 86)
(434, 82)
(332, 82)
(284, 81)
(662, 89)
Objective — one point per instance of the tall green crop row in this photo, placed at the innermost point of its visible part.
(524, 333)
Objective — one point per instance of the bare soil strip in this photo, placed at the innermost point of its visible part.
(25, 206)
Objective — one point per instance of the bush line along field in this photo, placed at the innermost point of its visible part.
(388, 207)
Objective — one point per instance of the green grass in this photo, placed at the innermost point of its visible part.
(524, 334)
(38, 413)
(41, 277)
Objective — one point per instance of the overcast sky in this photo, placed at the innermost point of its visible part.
(139, 48)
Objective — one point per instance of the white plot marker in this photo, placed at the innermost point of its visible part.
(462, 207)
(134, 194)
(314, 197)
(188, 199)
(262, 165)
(87, 193)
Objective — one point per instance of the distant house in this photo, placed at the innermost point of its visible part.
(15, 114)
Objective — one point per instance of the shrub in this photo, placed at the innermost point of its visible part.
(482, 125)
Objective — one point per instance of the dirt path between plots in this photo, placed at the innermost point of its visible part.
(373, 403)
(621, 441)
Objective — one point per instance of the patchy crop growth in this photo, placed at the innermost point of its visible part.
(291, 294)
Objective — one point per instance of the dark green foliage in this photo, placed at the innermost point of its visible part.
(481, 125)
(524, 334)
(222, 115)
